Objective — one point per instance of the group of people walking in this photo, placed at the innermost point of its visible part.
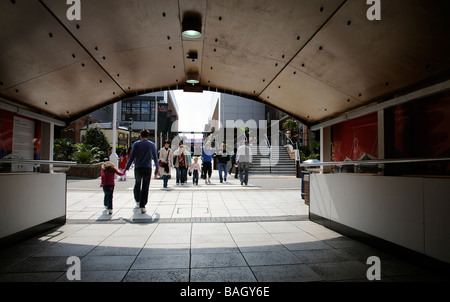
(144, 152)
(181, 160)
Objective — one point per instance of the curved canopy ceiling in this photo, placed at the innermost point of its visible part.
(314, 59)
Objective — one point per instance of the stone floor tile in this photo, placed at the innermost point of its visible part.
(261, 246)
(163, 275)
(162, 261)
(206, 248)
(96, 276)
(285, 273)
(340, 271)
(106, 263)
(201, 260)
(246, 228)
(65, 249)
(41, 264)
(165, 249)
(209, 228)
(115, 251)
(223, 274)
(320, 256)
(270, 258)
(246, 239)
(279, 227)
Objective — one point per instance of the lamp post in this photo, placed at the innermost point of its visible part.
(130, 125)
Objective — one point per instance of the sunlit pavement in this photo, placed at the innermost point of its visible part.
(207, 233)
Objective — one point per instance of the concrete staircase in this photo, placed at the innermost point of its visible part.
(282, 164)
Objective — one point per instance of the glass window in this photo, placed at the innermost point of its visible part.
(138, 110)
(152, 112)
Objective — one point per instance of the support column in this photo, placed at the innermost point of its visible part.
(114, 128)
(325, 148)
(381, 154)
(47, 137)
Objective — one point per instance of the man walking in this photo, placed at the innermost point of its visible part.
(224, 158)
(244, 160)
(142, 153)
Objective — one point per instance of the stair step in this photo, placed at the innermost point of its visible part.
(284, 164)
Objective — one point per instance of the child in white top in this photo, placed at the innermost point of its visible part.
(195, 170)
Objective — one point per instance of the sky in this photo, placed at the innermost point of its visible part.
(194, 109)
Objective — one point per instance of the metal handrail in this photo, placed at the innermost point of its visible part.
(32, 161)
(270, 152)
(375, 162)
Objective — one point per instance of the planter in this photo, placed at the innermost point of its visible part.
(85, 170)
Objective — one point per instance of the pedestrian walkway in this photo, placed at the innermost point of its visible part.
(244, 234)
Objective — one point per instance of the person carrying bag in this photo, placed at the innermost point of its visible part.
(166, 165)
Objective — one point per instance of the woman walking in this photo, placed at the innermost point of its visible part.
(166, 162)
(181, 163)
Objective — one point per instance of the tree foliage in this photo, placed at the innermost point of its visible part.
(63, 149)
(96, 138)
(95, 149)
(292, 125)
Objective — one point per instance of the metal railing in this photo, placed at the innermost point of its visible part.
(63, 165)
(266, 139)
(374, 162)
(315, 167)
(40, 162)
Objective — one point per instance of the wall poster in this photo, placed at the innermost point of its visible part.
(23, 143)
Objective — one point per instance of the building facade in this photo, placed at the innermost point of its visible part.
(234, 108)
(148, 111)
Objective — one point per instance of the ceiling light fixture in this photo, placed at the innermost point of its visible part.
(191, 27)
(192, 78)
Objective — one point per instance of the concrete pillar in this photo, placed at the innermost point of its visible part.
(325, 148)
(381, 154)
(47, 137)
(114, 128)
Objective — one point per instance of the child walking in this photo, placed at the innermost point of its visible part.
(195, 169)
(107, 176)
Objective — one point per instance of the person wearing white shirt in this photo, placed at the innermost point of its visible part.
(244, 159)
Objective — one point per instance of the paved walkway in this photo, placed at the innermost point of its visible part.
(218, 232)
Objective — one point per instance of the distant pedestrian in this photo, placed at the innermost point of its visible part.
(165, 157)
(195, 169)
(107, 183)
(290, 145)
(123, 158)
(223, 158)
(233, 164)
(207, 153)
(142, 154)
(244, 159)
(187, 153)
(177, 167)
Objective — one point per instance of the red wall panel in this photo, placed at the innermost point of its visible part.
(355, 137)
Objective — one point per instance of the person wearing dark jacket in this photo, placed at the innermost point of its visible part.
(142, 154)
(233, 164)
(223, 158)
